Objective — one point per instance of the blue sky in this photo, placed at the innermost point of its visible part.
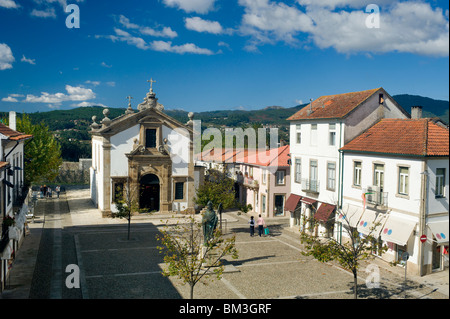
(218, 54)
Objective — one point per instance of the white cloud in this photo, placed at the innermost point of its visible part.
(31, 61)
(9, 99)
(409, 26)
(87, 104)
(6, 57)
(161, 46)
(93, 83)
(165, 32)
(75, 93)
(103, 64)
(200, 25)
(164, 46)
(9, 4)
(412, 27)
(198, 6)
(269, 22)
(332, 4)
(12, 98)
(124, 36)
(46, 13)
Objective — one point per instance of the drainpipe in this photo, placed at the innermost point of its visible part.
(341, 168)
(422, 215)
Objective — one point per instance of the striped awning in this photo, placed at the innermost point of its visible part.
(440, 231)
(292, 202)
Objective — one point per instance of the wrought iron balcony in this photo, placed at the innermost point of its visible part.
(310, 185)
(375, 197)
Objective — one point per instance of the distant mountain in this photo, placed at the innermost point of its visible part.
(81, 117)
(430, 107)
(72, 126)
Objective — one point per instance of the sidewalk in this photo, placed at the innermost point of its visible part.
(82, 212)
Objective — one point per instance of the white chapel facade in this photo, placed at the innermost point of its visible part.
(148, 151)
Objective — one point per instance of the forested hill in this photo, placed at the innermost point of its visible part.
(72, 126)
(81, 117)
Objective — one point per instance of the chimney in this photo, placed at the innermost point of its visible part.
(310, 106)
(416, 112)
(12, 120)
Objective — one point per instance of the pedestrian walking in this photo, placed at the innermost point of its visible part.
(252, 226)
(57, 189)
(49, 192)
(45, 190)
(261, 224)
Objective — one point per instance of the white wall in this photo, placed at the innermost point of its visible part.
(437, 205)
(322, 151)
(179, 145)
(121, 144)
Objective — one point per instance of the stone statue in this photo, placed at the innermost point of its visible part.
(209, 222)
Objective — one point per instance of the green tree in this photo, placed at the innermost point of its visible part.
(348, 254)
(217, 188)
(126, 203)
(189, 257)
(42, 153)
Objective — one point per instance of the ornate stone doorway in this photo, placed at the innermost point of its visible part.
(149, 194)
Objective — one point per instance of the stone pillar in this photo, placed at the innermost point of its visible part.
(106, 178)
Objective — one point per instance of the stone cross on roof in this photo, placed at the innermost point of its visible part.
(151, 81)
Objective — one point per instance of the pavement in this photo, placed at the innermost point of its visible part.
(275, 258)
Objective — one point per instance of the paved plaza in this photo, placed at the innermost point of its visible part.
(70, 231)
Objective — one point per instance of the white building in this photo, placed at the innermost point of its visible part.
(148, 150)
(12, 192)
(317, 132)
(402, 168)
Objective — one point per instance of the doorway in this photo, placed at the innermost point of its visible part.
(149, 192)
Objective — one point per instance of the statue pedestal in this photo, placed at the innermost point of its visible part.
(208, 258)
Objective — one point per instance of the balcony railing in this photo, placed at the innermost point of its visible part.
(375, 197)
(310, 185)
(250, 182)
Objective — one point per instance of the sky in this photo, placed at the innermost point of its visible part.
(217, 54)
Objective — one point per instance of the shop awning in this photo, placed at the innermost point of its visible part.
(371, 222)
(397, 230)
(292, 202)
(440, 231)
(350, 215)
(324, 211)
(308, 201)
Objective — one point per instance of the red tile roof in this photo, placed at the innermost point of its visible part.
(274, 157)
(13, 135)
(413, 137)
(333, 106)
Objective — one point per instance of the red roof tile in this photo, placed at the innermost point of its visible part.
(13, 135)
(333, 106)
(275, 157)
(422, 137)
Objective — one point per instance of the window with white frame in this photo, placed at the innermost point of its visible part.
(279, 175)
(332, 134)
(299, 137)
(403, 180)
(298, 133)
(357, 173)
(440, 182)
(331, 176)
(298, 170)
(264, 174)
(313, 140)
(263, 203)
